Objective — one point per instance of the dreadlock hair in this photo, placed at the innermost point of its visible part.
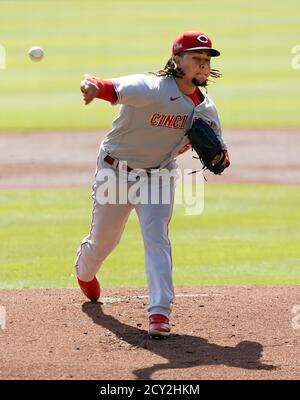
(171, 69)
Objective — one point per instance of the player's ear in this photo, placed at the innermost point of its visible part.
(176, 60)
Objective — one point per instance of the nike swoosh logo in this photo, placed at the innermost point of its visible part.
(174, 98)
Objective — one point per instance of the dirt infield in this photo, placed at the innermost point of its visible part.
(69, 158)
(218, 333)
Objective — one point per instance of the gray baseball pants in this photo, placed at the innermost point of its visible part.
(108, 223)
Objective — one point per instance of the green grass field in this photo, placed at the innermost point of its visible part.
(259, 87)
(248, 234)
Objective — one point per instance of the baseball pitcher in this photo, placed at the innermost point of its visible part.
(157, 112)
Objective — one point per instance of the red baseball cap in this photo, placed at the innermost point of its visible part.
(194, 41)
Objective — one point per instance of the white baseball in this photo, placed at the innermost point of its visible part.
(36, 53)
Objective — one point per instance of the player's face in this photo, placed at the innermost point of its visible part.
(195, 65)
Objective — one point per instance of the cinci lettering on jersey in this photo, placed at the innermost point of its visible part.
(169, 120)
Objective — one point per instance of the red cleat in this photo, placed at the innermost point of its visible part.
(159, 326)
(91, 289)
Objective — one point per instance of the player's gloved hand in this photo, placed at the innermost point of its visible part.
(226, 161)
(209, 146)
(89, 90)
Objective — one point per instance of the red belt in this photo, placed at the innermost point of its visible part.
(115, 163)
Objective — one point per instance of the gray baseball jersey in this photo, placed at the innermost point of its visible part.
(154, 116)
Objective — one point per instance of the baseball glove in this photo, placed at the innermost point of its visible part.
(208, 145)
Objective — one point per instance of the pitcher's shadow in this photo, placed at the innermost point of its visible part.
(181, 351)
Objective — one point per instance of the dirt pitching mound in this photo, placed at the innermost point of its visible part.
(241, 332)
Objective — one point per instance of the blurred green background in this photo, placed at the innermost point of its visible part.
(247, 234)
(259, 88)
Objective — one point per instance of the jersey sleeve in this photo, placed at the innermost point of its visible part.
(135, 90)
(106, 88)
